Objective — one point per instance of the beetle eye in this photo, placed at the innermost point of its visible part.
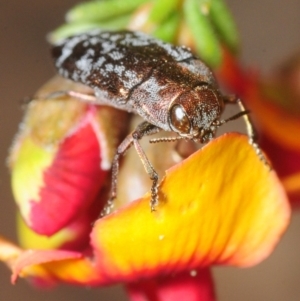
(179, 120)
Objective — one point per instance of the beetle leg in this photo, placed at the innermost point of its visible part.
(84, 97)
(143, 129)
(251, 132)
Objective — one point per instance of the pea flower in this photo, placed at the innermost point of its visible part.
(63, 145)
(214, 202)
(212, 211)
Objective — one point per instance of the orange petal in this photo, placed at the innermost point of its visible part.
(27, 258)
(8, 251)
(213, 210)
(52, 266)
(46, 267)
(10, 254)
(278, 124)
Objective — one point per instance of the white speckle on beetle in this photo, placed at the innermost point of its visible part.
(116, 55)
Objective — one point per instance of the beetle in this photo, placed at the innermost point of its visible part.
(167, 85)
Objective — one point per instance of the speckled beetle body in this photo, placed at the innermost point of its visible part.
(170, 88)
(136, 73)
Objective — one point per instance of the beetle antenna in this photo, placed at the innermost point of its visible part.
(218, 123)
(166, 139)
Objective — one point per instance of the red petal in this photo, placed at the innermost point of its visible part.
(286, 162)
(71, 182)
(192, 286)
(75, 236)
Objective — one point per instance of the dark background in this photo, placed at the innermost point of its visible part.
(269, 31)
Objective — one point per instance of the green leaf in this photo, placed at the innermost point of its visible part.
(224, 24)
(100, 10)
(162, 9)
(197, 17)
(70, 29)
(167, 30)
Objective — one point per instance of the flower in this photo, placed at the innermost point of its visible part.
(212, 211)
(212, 205)
(62, 147)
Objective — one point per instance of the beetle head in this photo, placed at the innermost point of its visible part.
(194, 113)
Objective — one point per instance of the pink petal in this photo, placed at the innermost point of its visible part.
(71, 182)
(196, 285)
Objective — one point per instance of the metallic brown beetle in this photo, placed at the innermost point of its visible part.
(170, 88)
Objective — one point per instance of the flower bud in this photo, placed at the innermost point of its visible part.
(62, 155)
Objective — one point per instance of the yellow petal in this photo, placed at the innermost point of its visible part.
(220, 206)
(213, 210)
(28, 172)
